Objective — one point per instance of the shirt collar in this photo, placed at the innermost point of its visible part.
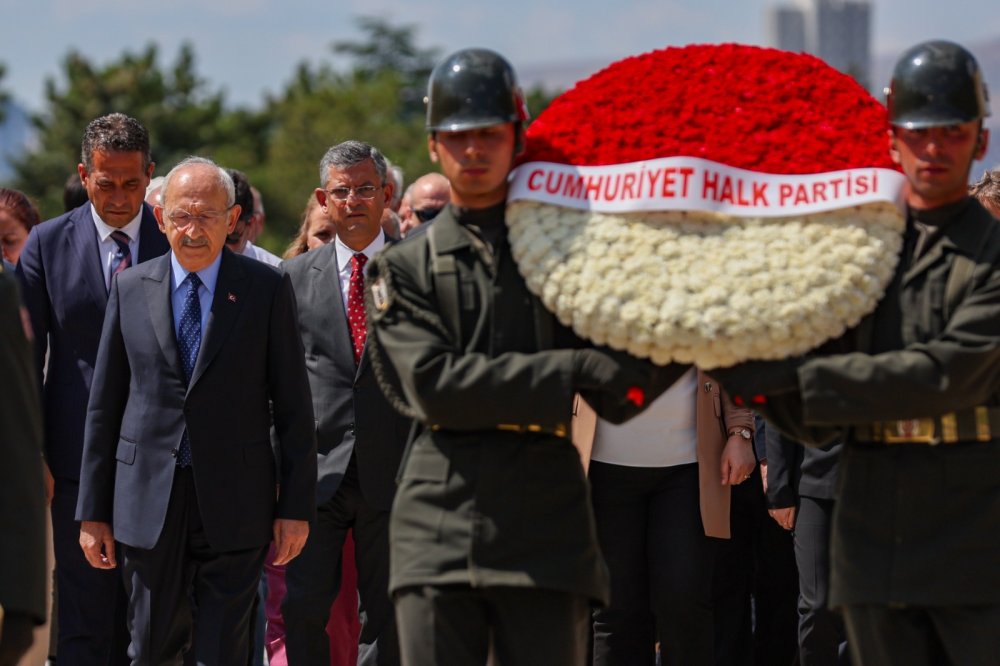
(104, 230)
(208, 275)
(345, 253)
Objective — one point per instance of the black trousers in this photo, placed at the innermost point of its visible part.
(92, 602)
(188, 603)
(650, 531)
(756, 586)
(912, 636)
(312, 581)
(821, 629)
(458, 625)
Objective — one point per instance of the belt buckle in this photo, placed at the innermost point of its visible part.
(909, 431)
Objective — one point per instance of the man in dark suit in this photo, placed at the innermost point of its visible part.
(198, 355)
(22, 502)
(360, 438)
(65, 269)
(801, 496)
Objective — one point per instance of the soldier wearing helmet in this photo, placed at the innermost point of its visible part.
(915, 391)
(492, 539)
(937, 102)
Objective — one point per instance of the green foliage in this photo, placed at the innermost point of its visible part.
(391, 49)
(378, 98)
(376, 101)
(181, 114)
(4, 96)
(322, 109)
(537, 99)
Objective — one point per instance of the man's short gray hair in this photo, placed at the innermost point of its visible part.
(351, 153)
(225, 182)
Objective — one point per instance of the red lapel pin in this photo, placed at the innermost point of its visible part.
(232, 297)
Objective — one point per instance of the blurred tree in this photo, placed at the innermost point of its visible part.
(387, 48)
(379, 99)
(4, 96)
(182, 115)
(376, 97)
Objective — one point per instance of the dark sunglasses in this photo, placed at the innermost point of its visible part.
(425, 214)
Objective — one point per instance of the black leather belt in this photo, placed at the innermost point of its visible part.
(978, 424)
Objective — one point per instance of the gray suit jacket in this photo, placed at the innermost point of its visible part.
(249, 371)
(352, 415)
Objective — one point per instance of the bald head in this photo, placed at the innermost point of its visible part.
(428, 195)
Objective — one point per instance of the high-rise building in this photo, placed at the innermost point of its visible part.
(838, 31)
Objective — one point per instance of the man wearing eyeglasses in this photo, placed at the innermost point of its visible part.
(360, 438)
(199, 355)
(429, 194)
(65, 270)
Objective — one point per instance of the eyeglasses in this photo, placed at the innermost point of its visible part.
(426, 214)
(181, 219)
(366, 192)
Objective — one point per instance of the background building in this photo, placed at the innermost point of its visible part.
(838, 31)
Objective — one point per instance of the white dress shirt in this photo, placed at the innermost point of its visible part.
(344, 255)
(260, 254)
(664, 435)
(108, 246)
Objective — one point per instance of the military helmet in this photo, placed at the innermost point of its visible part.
(473, 88)
(936, 83)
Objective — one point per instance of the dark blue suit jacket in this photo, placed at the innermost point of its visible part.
(250, 369)
(352, 414)
(63, 288)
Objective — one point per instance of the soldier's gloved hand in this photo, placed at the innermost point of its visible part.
(750, 382)
(608, 371)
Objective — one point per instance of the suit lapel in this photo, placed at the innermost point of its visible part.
(158, 288)
(83, 240)
(230, 293)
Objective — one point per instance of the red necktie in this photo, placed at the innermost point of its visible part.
(356, 305)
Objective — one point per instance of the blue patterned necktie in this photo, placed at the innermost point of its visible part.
(188, 343)
(123, 259)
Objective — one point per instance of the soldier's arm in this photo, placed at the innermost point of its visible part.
(958, 369)
(450, 388)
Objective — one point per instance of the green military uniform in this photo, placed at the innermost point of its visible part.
(492, 492)
(916, 521)
(909, 506)
(22, 497)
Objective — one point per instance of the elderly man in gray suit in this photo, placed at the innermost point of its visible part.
(198, 358)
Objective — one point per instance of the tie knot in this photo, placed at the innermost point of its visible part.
(121, 239)
(358, 261)
(193, 281)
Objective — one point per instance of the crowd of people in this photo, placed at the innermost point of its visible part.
(382, 443)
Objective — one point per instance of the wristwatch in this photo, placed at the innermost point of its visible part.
(742, 432)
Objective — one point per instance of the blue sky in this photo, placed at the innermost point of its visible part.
(251, 46)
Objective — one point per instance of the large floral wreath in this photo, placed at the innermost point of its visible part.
(708, 204)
